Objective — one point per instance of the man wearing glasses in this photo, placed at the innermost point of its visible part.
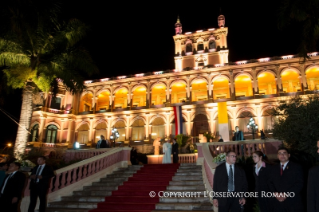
(286, 177)
(229, 178)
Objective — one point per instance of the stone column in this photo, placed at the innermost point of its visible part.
(70, 131)
(91, 130)
(303, 77)
(61, 131)
(279, 83)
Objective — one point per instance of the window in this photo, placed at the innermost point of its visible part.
(200, 47)
(55, 103)
(34, 133)
(189, 47)
(138, 132)
(212, 44)
(51, 134)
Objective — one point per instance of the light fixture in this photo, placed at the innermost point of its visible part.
(154, 133)
(76, 145)
(123, 134)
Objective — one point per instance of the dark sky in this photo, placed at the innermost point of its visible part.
(136, 37)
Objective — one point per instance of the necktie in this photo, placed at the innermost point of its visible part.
(282, 169)
(37, 174)
(230, 179)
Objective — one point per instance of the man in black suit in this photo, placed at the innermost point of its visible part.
(229, 178)
(313, 188)
(175, 151)
(102, 143)
(12, 188)
(286, 177)
(40, 181)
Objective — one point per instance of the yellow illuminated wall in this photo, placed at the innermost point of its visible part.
(267, 84)
(290, 81)
(199, 90)
(158, 94)
(313, 78)
(178, 93)
(221, 88)
(243, 86)
(103, 101)
(86, 103)
(139, 97)
(120, 100)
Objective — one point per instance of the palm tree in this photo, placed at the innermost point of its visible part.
(37, 54)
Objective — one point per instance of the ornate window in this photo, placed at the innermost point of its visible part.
(212, 44)
(200, 46)
(189, 47)
(55, 103)
(34, 133)
(51, 134)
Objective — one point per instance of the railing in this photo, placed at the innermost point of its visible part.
(245, 148)
(77, 172)
(182, 158)
(83, 154)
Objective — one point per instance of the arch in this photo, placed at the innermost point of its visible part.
(119, 88)
(198, 78)
(198, 113)
(138, 118)
(268, 120)
(267, 83)
(290, 69)
(120, 98)
(220, 76)
(312, 77)
(243, 74)
(138, 85)
(215, 115)
(103, 100)
(86, 92)
(200, 45)
(138, 129)
(102, 91)
(99, 122)
(157, 116)
(221, 87)
(86, 102)
(212, 44)
(267, 71)
(243, 85)
(34, 132)
(178, 91)
(139, 96)
(200, 124)
(158, 93)
(245, 109)
(34, 123)
(199, 87)
(158, 124)
(51, 133)
(172, 117)
(290, 80)
(189, 47)
(117, 120)
(52, 123)
(158, 83)
(176, 81)
(81, 124)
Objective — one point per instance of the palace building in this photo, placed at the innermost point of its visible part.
(139, 106)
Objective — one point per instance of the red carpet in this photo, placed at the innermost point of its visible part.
(133, 195)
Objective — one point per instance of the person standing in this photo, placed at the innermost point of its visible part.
(313, 188)
(229, 178)
(261, 174)
(40, 182)
(102, 143)
(175, 151)
(12, 188)
(3, 169)
(238, 135)
(220, 138)
(167, 150)
(286, 177)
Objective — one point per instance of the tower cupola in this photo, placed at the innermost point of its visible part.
(178, 27)
(221, 21)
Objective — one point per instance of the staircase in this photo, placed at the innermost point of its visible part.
(90, 196)
(128, 190)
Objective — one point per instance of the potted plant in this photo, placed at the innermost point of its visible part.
(209, 136)
(220, 158)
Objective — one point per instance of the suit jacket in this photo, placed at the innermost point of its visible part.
(47, 174)
(238, 136)
(102, 144)
(221, 181)
(261, 180)
(313, 190)
(175, 148)
(15, 186)
(290, 181)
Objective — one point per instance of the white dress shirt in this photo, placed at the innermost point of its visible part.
(39, 171)
(233, 167)
(283, 168)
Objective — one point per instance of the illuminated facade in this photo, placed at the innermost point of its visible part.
(140, 105)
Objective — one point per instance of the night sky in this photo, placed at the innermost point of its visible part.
(136, 37)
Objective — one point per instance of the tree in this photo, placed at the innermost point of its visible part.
(38, 53)
(297, 123)
(304, 16)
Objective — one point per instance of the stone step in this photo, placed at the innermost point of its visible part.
(119, 179)
(186, 182)
(188, 174)
(184, 206)
(66, 210)
(119, 175)
(69, 204)
(195, 199)
(190, 170)
(92, 193)
(83, 198)
(183, 178)
(186, 187)
(99, 188)
(106, 183)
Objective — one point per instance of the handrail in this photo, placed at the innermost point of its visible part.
(83, 154)
(83, 169)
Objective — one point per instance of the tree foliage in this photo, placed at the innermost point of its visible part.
(35, 46)
(297, 123)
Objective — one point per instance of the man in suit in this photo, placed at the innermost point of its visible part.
(286, 177)
(220, 138)
(313, 188)
(3, 169)
(40, 181)
(229, 178)
(102, 143)
(238, 135)
(12, 188)
(175, 151)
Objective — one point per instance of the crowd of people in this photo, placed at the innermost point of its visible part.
(278, 187)
(13, 183)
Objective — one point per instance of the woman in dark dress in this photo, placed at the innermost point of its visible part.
(261, 173)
